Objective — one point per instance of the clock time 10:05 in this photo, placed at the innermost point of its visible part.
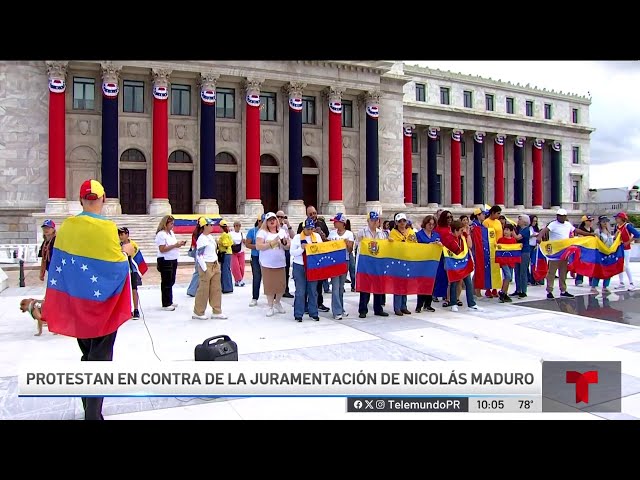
(490, 404)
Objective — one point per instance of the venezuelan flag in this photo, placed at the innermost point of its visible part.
(508, 253)
(487, 272)
(587, 256)
(458, 266)
(187, 223)
(325, 260)
(140, 263)
(397, 268)
(89, 288)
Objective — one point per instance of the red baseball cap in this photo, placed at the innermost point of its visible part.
(621, 215)
(91, 190)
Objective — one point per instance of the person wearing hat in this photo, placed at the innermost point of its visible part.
(340, 232)
(372, 230)
(478, 217)
(604, 233)
(167, 260)
(96, 333)
(210, 271)
(224, 249)
(195, 278)
(46, 249)
(401, 233)
(559, 229)
(272, 242)
(627, 234)
(256, 273)
(323, 231)
(586, 225)
(306, 294)
(136, 281)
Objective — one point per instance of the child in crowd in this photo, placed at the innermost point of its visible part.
(123, 233)
(507, 264)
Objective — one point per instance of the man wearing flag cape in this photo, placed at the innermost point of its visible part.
(89, 287)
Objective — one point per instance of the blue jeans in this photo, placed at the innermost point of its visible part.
(523, 272)
(580, 280)
(399, 302)
(337, 295)
(195, 280)
(256, 272)
(595, 281)
(468, 288)
(352, 270)
(304, 291)
(226, 278)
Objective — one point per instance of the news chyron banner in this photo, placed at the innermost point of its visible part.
(368, 387)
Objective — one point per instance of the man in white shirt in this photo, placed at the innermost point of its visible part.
(371, 231)
(559, 229)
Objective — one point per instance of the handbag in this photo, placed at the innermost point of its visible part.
(237, 247)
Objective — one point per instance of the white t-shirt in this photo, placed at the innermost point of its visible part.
(208, 242)
(273, 257)
(168, 239)
(560, 231)
(347, 235)
(297, 247)
(236, 237)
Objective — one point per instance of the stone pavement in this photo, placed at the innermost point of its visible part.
(500, 332)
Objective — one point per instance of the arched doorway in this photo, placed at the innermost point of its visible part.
(181, 182)
(310, 172)
(133, 182)
(269, 171)
(226, 176)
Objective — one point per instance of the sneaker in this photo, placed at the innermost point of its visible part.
(136, 315)
(298, 319)
(522, 295)
(337, 317)
(594, 291)
(253, 303)
(476, 307)
(175, 305)
(631, 287)
(566, 294)
(278, 307)
(345, 314)
(322, 308)
(621, 286)
(362, 315)
(317, 319)
(236, 284)
(507, 298)
(270, 312)
(287, 295)
(170, 308)
(550, 296)
(494, 292)
(219, 316)
(242, 284)
(605, 291)
(199, 317)
(454, 308)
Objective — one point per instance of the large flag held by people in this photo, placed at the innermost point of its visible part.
(187, 223)
(487, 272)
(540, 267)
(325, 260)
(458, 266)
(88, 288)
(397, 268)
(587, 256)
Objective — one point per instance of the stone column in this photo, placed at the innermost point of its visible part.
(432, 168)
(110, 162)
(478, 184)
(371, 101)
(253, 204)
(295, 205)
(407, 132)
(456, 187)
(57, 203)
(518, 169)
(556, 174)
(160, 196)
(336, 203)
(537, 173)
(207, 202)
(498, 179)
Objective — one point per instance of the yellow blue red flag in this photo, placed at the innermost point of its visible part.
(587, 256)
(88, 287)
(458, 266)
(397, 268)
(325, 260)
(187, 223)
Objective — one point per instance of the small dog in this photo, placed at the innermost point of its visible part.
(34, 308)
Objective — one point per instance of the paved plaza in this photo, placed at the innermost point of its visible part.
(585, 328)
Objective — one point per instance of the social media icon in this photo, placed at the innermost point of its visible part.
(357, 404)
(369, 405)
(380, 404)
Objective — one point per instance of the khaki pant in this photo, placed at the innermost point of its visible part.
(209, 289)
(561, 267)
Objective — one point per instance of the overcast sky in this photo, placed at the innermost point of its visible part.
(614, 112)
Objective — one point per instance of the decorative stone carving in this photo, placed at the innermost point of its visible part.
(294, 90)
(519, 141)
(333, 94)
(110, 79)
(83, 126)
(267, 136)
(537, 143)
(160, 83)
(456, 134)
(252, 89)
(57, 72)
(309, 138)
(133, 129)
(225, 134)
(479, 137)
(500, 138)
(432, 132)
(180, 131)
(371, 100)
(407, 129)
(346, 141)
(208, 82)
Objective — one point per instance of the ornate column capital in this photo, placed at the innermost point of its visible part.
(57, 72)
(520, 141)
(371, 100)
(334, 93)
(252, 85)
(408, 129)
(456, 134)
(500, 138)
(432, 132)
(110, 79)
(294, 89)
(538, 142)
(207, 83)
(479, 136)
(160, 78)
(556, 145)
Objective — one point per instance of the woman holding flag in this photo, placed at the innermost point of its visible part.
(604, 233)
(457, 246)
(401, 233)
(306, 291)
(427, 235)
(337, 283)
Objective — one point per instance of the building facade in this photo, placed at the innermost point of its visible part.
(246, 137)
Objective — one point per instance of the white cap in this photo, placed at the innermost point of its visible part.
(400, 216)
(269, 215)
(561, 211)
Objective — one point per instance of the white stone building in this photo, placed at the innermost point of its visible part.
(156, 160)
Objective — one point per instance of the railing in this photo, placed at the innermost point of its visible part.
(598, 208)
(14, 252)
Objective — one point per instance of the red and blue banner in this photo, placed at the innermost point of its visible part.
(88, 286)
(487, 272)
(140, 262)
(460, 265)
(397, 268)
(325, 260)
(540, 267)
(187, 223)
(508, 253)
(587, 256)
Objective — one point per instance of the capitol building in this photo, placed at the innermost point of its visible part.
(243, 137)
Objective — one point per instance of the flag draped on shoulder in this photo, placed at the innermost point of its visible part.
(458, 266)
(397, 268)
(587, 256)
(88, 288)
(487, 272)
(325, 260)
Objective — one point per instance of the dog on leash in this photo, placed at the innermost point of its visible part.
(34, 308)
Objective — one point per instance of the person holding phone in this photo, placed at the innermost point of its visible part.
(168, 254)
